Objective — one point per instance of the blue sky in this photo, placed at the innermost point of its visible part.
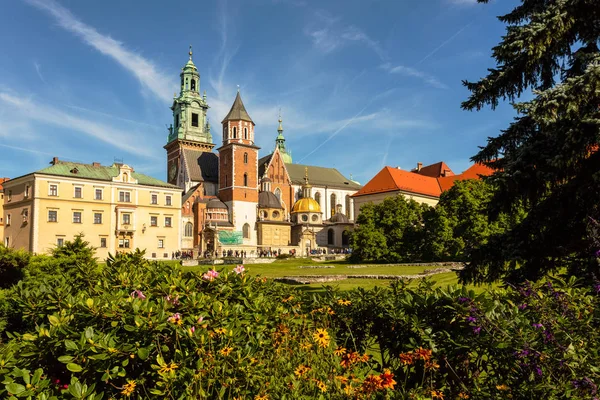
(361, 83)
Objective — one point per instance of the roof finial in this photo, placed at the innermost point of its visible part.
(190, 53)
(306, 175)
(238, 86)
(280, 128)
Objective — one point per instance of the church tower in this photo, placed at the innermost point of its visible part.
(190, 128)
(238, 170)
(286, 154)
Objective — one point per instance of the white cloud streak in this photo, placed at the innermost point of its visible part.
(451, 38)
(50, 115)
(38, 68)
(412, 72)
(144, 70)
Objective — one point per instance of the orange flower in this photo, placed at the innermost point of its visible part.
(322, 387)
(436, 394)
(371, 383)
(258, 397)
(423, 354)
(343, 380)
(462, 395)
(344, 302)
(431, 365)
(349, 358)
(387, 379)
(406, 358)
(502, 387)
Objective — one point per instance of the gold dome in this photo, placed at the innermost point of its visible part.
(306, 204)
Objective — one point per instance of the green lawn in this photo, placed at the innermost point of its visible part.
(292, 268)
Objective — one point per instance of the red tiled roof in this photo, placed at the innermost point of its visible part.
(2, 180)
(435, 170)
(393, 179)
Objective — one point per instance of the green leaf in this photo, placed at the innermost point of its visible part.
(15, 388)
(65, 359)
(29, 337)
(53, 320)
(75, 389)
(74, 367)
(143, 353)
(89, 303)
(89, 332)
(71, 345)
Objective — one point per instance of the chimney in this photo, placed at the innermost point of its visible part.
(95, 164)
(419, 166)
(54, 161)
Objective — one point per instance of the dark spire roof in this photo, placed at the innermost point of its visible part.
(238, 111)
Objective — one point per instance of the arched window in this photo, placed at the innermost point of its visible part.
(333, 203)
(245, 179)
(345, 238)
(187, 85)
(189, 229)
(245, 158)
(234, 132)
(245, 133)
(278, 194)
(246, 231)
(348, 206)
(318, 198)
(193, 84)
(330, 236)
(125, 177)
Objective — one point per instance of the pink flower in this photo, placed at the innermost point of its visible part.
(172, 300)
(192, 330)
(200, 320)
(210, 275)
(239, 269)
(138, 293)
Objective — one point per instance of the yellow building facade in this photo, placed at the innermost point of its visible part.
(115, 208)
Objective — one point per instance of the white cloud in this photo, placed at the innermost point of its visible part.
(123, 140)
(412, 72)
(329, 35)
(38, 69)
(145, 71)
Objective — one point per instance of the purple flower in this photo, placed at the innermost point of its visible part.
(138, 293)
(463, 299)
(470, 318)
(597, 253)
(537, 326)
(538, 371)
(597, 287)
(523, 306)
(476, 330)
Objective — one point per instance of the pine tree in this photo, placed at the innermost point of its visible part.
(547, 160)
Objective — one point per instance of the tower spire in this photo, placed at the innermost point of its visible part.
(190, 52)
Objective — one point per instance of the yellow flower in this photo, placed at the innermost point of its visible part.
(321, 337)
(226, 350)
(220, 331)
(502, 387)
(306, 346)
(344, 302)
(287, 299)
(322, 387)
(167, 368)
(340, 351)
(129, 388)
(301, 370)
(435, 394)
(258, 397)
(462, 395)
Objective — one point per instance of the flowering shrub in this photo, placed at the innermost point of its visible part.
(533, 341)
(139, 329)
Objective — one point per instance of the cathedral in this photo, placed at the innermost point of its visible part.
(236, 200)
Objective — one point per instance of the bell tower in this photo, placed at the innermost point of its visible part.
(190, 128)
(238, 170)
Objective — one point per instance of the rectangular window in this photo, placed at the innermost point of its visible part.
(97, 218)
(125, 197)
(60, 242)
(9, 195)
(8, 219)
(161, 243)
(53, 191)
(77, 193)
(26, 194)
(168, 200)
(25, 214)
(76, 217)
(6, 241)
(52, 215)
(102, 242)
(98, 194)
(194, 119)
(124, 243)
(153, 221)
(167, 221)
(177, 121)
(154, 199)
(126, 219)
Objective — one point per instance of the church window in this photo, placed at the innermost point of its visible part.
(333, 203)
(245, 133)
(348, 206)
(246, 231)
(318, 198)
(186, 84)
(176, 121)
(304, 217)
(245, 179)
(188, 229)
(194, 119)
(278, 194)
(193, 84)
(234, 132)
(330, 237)
(245, 158)
(345, 238)
(315, 218)
(275, 214)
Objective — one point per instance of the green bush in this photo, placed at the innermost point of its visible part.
(12, 264)
(284, 256)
